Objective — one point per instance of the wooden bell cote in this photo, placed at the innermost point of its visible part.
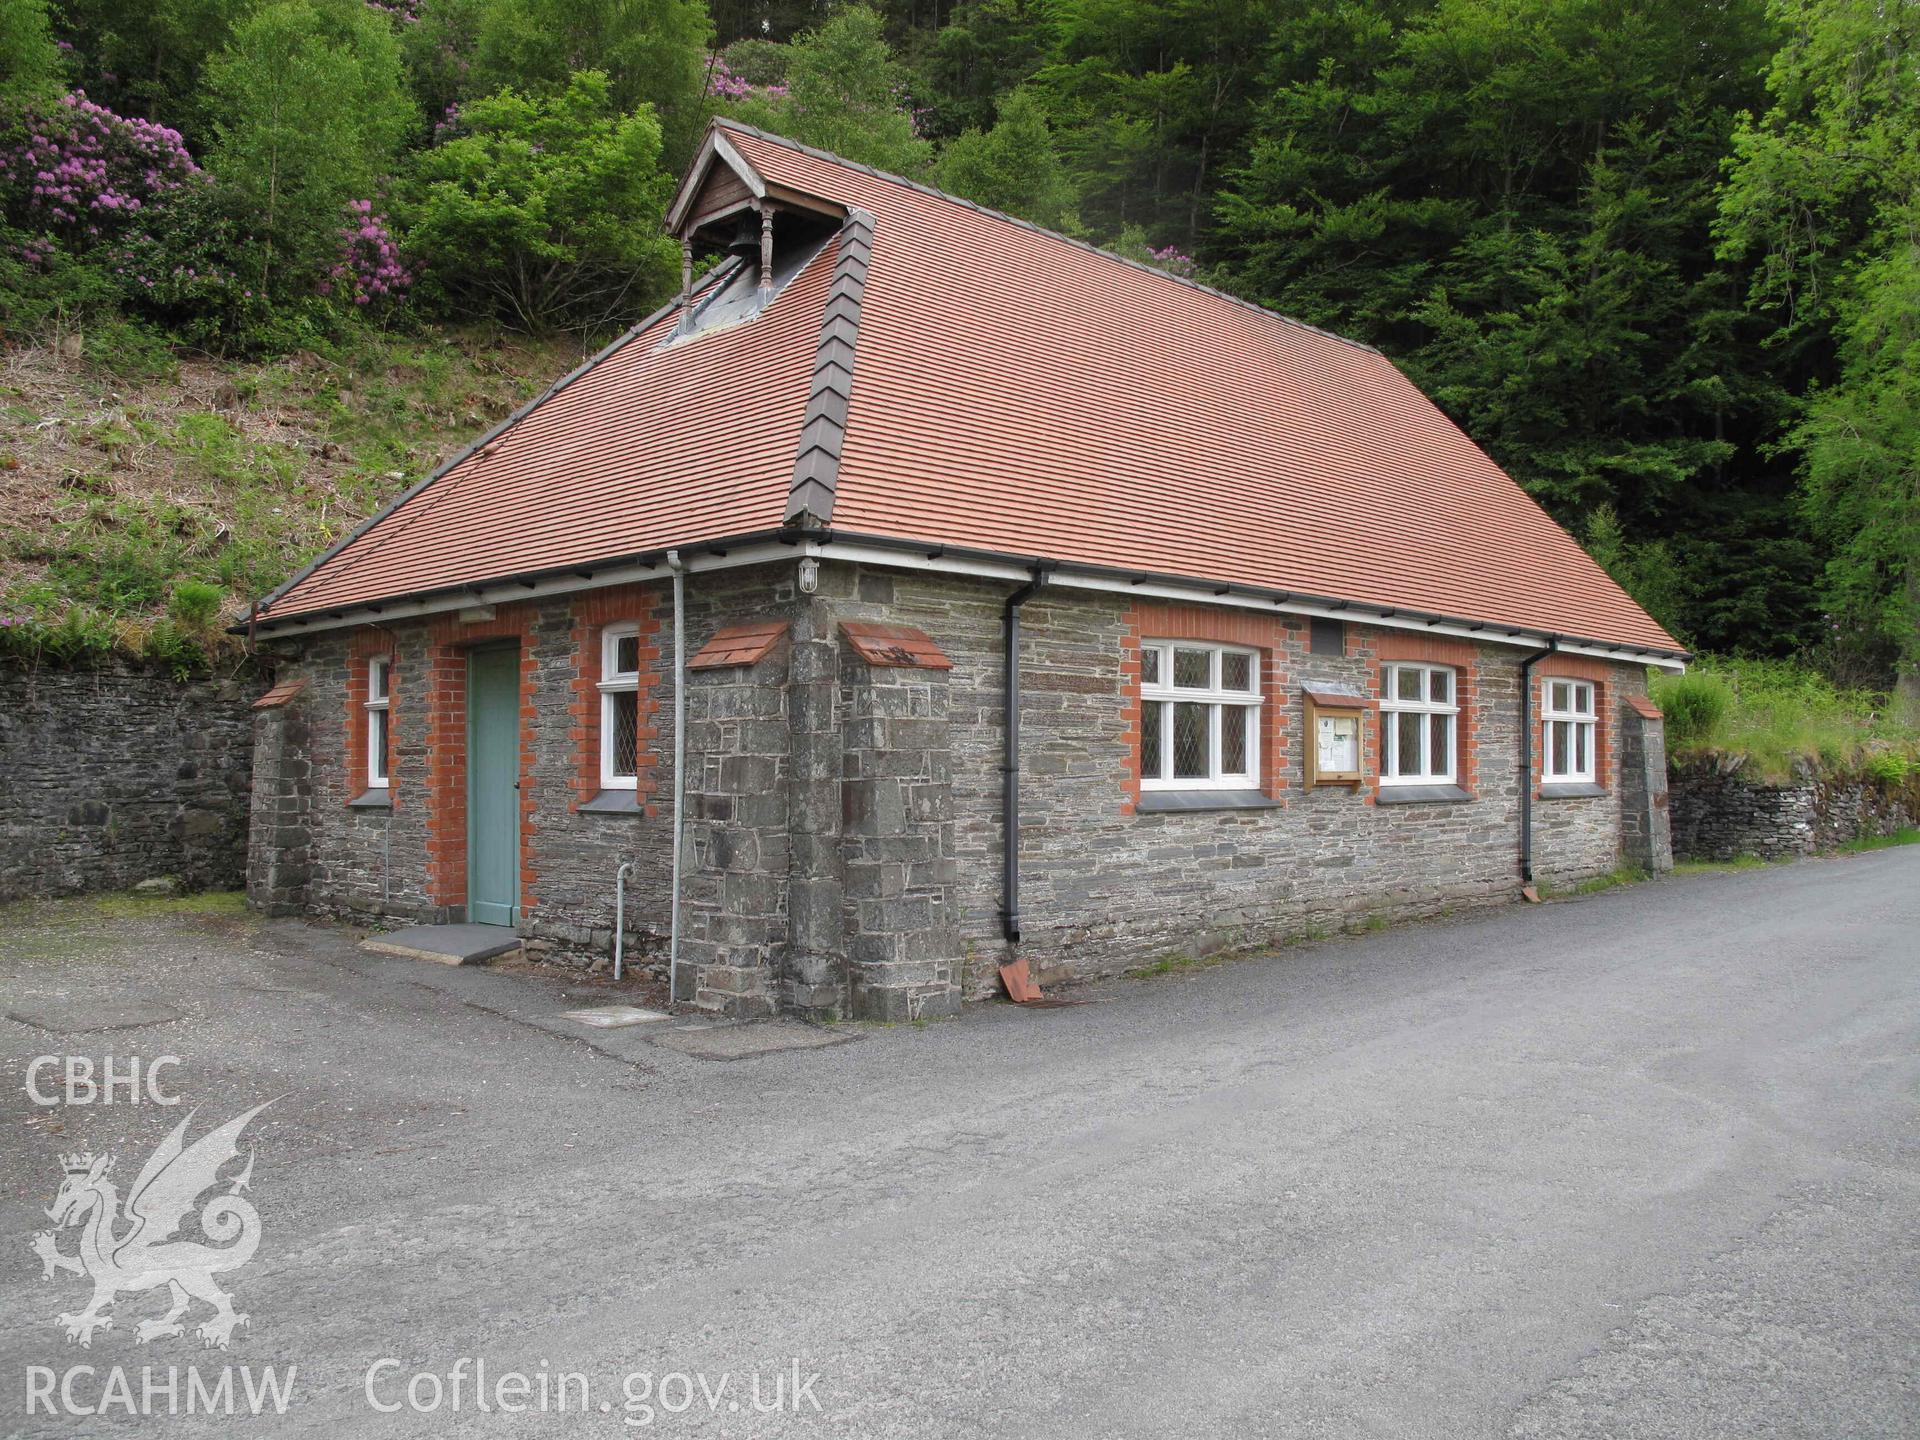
(723, 204)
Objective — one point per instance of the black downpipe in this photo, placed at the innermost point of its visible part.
(1527, 766)
(1010, 764)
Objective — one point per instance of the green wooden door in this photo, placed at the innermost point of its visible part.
(493, 791)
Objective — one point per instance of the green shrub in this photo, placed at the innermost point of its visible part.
(1779, 716)
(1888, 767)
(1696, 706)
(195, 605)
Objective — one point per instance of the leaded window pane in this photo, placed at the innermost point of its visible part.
(1233, 739)
(1152, 755)
(626, 655)
(1580, 740)
(1440, 759)
(1406, 684)
(626, 725)
(1190, 725)
(1406, 734)
(1236, 671)
(382, 719)
(1193, 669)
(1150, 666)
(1440, 686)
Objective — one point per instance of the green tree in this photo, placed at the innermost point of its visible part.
(30, 64)
(653, 52)
(148, 58)
(988, 49)
(312, 111)
(1514, 199)
(544, 212)
(1012, 167)
(1823, 200)
(1153, 99)
(847, 94)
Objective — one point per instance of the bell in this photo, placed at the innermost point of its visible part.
(746, 237)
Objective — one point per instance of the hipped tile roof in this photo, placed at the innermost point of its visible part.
(899, 646)
(732, 645)
(944, 374)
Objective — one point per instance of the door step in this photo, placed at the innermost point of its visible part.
(447, 944)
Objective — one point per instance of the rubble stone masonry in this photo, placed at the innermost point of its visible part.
(843, 834)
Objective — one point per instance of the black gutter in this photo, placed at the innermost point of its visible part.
(788, 534)
(1360, 610)
(473, 590)
(1527, 763)
(1010, 766)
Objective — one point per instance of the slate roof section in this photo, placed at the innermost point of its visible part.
(1020, 396)
(816, 470)
(733, 645)
(895, 646)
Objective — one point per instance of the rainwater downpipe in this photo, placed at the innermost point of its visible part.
(679, 765)
(1527, 765)
(620, 916)
(1010, 764)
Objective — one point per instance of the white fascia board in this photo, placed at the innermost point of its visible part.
(506, 592)
(1490, 633)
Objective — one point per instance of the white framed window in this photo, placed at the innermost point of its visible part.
(379, 721)
(1419, 725)
(1569, 725)
(619, 707)
(1199, 716)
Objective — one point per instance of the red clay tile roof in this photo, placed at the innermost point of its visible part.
(895, 645)
(280, 694)
(1013, 392)
(739, 645)
(1645, 707)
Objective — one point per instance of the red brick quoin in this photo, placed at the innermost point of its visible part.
(446, 686)
(1575, 667)
(592, 613)
(1463, 656)
(368, 644)
(1169, 620)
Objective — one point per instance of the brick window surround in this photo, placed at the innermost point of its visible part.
(1169, 620)
(366, 646)
(1463, 658)
(1599, 673)
(449, 641)
(591, 614)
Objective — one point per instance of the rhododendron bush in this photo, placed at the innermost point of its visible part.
(369, 269)
(84, 174)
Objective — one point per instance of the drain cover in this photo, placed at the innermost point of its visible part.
(613, 1017)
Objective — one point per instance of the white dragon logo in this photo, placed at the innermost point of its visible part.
(147, 1255)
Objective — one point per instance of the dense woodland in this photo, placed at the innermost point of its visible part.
(1660, 257)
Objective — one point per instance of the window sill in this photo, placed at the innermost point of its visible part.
(1421, 795)
(379, 799)
(612, 802)
(1170, 802)
(1571, 790)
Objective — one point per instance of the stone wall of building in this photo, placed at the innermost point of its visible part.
(1721, 814)
(843, 840)
(113, 776)
(1105, 886)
